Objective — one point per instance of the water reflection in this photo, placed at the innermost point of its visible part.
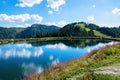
(70, 43)
(26, 58)
(19, 50)
(60, 46)
(31, 68)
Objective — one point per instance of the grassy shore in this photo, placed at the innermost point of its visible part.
(106, 56)
(6, 41)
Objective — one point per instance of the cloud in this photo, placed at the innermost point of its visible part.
(21, 18)
(100, 45)
(55, 62)
(62, 46)
(23, 25)
(57, 46)
(21, 51)
(28, 3)
(51, 57)
(24, 45)
(38, 52)
(116, 11)
(14, 53)
(50, 12)
(31, 68)
(36, 18)
(60, 23)
(55, 4)
(90, 18)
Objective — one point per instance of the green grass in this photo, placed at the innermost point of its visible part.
(96, 59)
(81, 25)
(98, 34)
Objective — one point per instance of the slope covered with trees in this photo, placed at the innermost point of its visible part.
(9, 33)
(79, 29)
(37, 30)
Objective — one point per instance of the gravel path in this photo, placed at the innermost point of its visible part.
(115, 69)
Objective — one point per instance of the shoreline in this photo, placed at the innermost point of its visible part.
(85, 63)
(6, 41)
(93, 60)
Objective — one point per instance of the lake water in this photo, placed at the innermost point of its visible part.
(21, 59)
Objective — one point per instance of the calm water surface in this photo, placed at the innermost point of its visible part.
(21, 59)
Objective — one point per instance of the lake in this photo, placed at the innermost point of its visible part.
(22, 59)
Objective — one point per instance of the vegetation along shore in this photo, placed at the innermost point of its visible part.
(6, 41)
(85, 68)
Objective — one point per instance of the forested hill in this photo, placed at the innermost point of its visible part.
(9, 33)
(83, 29)
(79, 29)
(37, 30)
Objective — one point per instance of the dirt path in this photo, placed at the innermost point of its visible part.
(114, 69)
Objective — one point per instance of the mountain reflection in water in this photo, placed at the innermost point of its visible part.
(21, 59)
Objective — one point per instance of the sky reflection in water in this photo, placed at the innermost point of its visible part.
(22, 59)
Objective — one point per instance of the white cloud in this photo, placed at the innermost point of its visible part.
(50, 12)
(36, 18)
(59, 46)
(21, 18)
(77, 21)
(38, 52)
(51, 46)
(62, 46)
(21, 51)
(51, 23)
(116, 11)
(13, 18)
(90, 18)
(100, 45)
(55, 62)
(28, 3)
(55, 4)
(24, 25)
(24, 45)
(30, 68)
(17, 53)
(51, 57)
(60, 23)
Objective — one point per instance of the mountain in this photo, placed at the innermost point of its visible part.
(80, 29)
(37, 30)
(9, 33)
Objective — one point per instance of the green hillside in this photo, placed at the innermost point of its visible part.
(9, 33)
(37, 30)
(80, 29)
(96, 33)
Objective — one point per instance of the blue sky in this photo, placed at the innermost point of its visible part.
(22, 13)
